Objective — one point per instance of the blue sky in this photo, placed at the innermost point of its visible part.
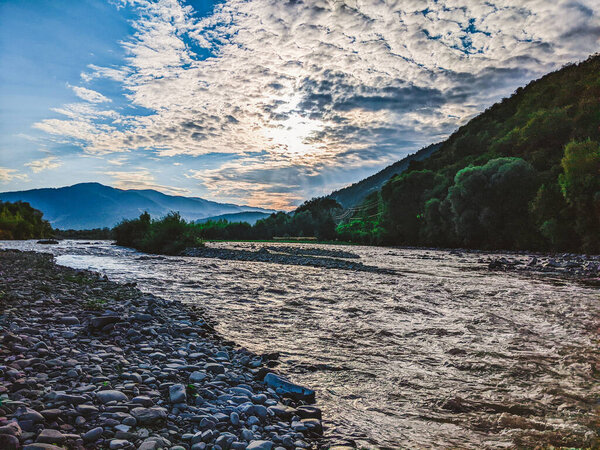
(261, 102)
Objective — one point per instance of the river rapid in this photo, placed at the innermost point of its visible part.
(440, 354)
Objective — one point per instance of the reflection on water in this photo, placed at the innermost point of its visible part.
(437, 355)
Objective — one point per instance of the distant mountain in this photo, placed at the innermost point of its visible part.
(354, 194)
(250, 217)
(94, 205)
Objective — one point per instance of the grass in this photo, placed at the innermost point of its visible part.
(95, 304)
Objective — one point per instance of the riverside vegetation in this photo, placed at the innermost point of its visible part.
(525, 174)
(89, 363)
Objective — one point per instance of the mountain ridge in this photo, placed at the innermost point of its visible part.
(99, 205)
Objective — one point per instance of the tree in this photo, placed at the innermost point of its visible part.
(580, 185)
(489, 204)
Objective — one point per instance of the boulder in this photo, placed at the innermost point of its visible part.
(287, 389)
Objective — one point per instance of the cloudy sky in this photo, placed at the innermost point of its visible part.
(261, 102)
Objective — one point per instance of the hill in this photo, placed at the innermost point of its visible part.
(354, 194)
(20, 221)
(524, 174)
(248, 217)
(93, 205)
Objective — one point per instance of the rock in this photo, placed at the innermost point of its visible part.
(47, 241)
(118, 443)
(86, 410)
(11, 428)
(289, 389)
(234, 418)
(177, 393)
(9, 442)
(102, 321)
(93, 435)
(197, 377)
(142, 400)
(42, 446)
(49, 436)
(141, 317)
(260, 445)
(24, 414)
(69, 320)
(111, 396)
(149, 415)
(309, 412)
(148, 445)
(214, 368)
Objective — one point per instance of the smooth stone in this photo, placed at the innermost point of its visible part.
(93, 434)
(118, 443)
(214, 368)
(177, 393)
(197, 377)
(69, 320)
(149, 415)
(260, 445)
(50, 436)
(290, 389)
(102, 321)
(42, 446)
(111, 396)
(9, 442)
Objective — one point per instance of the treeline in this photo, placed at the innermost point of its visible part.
(172, 234)
(525, 174)
(20, 221)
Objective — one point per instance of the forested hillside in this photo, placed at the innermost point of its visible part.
(523, 174)
(20, 221)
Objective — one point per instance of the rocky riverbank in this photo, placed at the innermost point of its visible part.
(583, 267)
(89, 363)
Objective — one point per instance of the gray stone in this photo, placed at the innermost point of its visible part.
(69, 320)
(260, 445)
(111, 396)
(214, 368)
(197, 377)
(177, 393)
(102, 321)
(49, 436)
(118, 443)
(149, 415)
(93, 434)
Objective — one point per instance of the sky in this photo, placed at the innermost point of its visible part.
(259, 102)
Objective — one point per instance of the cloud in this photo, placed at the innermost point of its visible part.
(316, 88)
(7, 175)
(141, 179)
(47, 163)
(89, 95)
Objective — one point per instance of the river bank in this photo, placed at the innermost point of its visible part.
(89, 363)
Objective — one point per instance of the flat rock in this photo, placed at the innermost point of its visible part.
(111, 396)
(50, 436)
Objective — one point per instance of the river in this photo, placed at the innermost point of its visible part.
(442, 353)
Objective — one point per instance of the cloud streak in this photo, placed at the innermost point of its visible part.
(47, 163)
(296, 90)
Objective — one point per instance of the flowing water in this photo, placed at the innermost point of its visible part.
(441, 354)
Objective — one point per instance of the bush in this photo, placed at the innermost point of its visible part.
(169, 235)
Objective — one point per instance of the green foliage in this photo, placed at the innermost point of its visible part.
(489, 204)
(524, 174)
(20, 221)
(169, 235)
(580, 185)
(94, 304)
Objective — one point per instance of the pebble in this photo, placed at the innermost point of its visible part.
(135, 371)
